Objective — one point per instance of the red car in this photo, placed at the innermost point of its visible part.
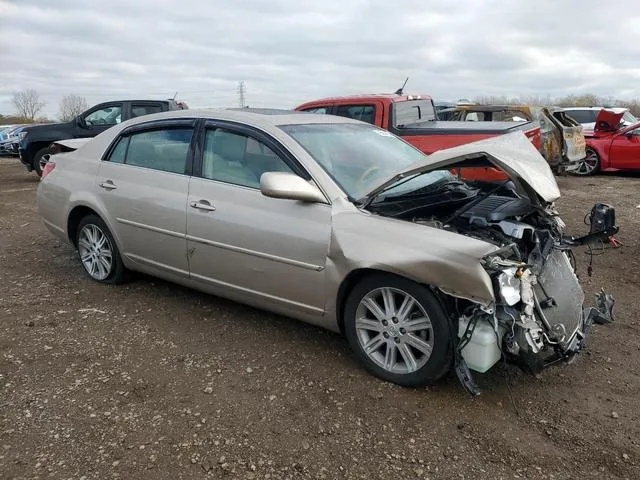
(611, 146)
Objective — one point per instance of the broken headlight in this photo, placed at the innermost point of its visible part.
(509, 286)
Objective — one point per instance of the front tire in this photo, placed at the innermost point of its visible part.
(398, 330)
(98, 251)
(589, 165)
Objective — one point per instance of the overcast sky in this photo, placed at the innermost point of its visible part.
(290, 51)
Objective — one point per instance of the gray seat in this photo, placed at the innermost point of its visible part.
(223, 159)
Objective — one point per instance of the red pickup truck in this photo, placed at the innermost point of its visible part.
(413, 117)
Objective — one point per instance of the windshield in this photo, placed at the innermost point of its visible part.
(412, 111)
(358, 157)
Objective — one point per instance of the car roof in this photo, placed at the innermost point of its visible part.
(257, 117)
(488, 108)
(393, 97)
(613, 109)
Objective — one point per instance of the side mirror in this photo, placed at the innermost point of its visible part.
(81, 123)
(289, 186)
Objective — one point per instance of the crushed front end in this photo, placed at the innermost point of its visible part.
(539, 317)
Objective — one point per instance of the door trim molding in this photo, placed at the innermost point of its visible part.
(144, 226)
(246, 251)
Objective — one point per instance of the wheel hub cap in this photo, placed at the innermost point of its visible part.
(394, 330)
(95, 252)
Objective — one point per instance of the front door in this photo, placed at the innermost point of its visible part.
(143, 184)
(272, 250)
(625, 150)
(99, 119)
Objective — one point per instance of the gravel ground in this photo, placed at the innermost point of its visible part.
(152, 380)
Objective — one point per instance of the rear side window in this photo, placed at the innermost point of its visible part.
(316, 110)
(166, 149)
(364, 113)
(119, 152)
(582, 116)
(137, 110)
(412, 111)
(475, 117)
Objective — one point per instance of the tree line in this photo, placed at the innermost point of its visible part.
(584, 100)
(29, 105)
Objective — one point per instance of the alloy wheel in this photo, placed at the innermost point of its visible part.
(589, 164)
(394, 330)
(96, 253)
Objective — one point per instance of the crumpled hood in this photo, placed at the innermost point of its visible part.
(512, 152)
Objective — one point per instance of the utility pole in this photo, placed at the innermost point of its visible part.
(242, 90)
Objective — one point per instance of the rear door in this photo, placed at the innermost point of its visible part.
(143, 183)
(269, 249)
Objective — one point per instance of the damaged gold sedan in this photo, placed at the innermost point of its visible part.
(341, 224)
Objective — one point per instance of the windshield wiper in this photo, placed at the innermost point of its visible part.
(366, 201)
(427, 189)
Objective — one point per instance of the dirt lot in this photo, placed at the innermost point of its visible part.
(151, 380)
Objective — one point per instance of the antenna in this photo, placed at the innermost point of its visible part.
(174, 97)
(399, 91)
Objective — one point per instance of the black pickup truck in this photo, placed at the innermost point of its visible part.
(35, 141)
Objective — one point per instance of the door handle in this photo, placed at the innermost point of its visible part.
(202, 205)
(108, 185)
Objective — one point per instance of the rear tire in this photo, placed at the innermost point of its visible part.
(398, 330)
(35, 163)
(98, 251)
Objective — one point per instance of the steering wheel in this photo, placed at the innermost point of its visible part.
(369, 171)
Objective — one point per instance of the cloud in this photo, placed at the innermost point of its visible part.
(291, 51)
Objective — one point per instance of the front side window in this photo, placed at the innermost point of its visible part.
(364, 113)
(357, 157)
(236, 158)
(166, 149)
(104, 116)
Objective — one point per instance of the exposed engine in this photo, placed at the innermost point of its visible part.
(538, 317)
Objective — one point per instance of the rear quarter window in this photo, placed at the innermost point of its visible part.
(582, 116)
(412, 111)
(364, 113)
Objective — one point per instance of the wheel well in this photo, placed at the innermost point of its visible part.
(599, 153)
(35, 146)
(76, 215)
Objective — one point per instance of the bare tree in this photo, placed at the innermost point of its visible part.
(27, 103)
(71, 106)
